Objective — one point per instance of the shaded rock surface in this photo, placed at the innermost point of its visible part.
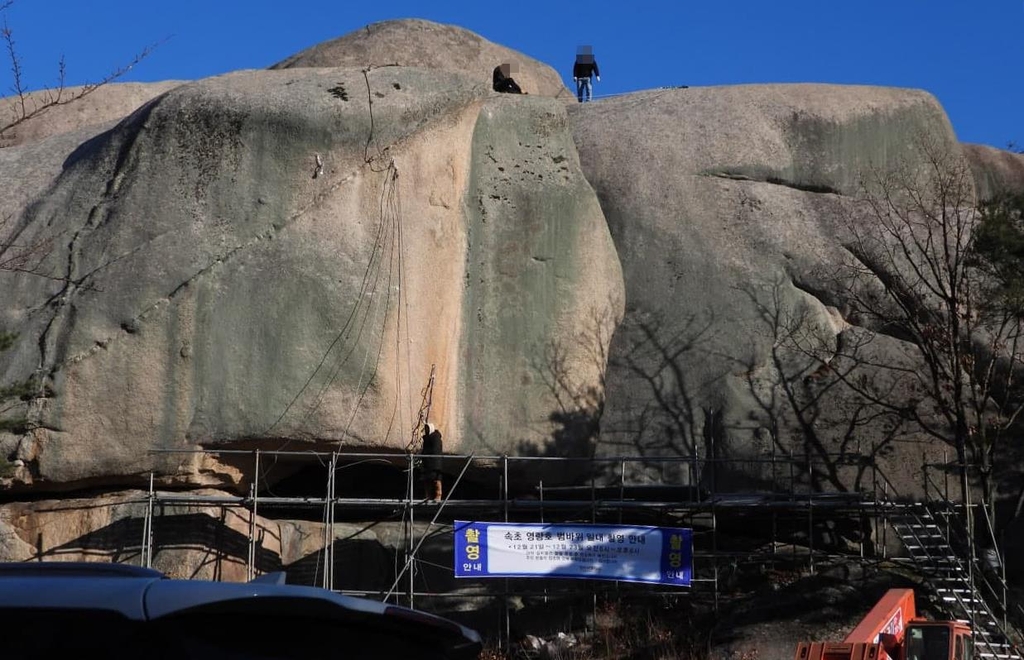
(728, 206)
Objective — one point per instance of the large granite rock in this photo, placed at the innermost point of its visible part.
(996, 171)
(429, 45)
(726, 206)
(260, 256)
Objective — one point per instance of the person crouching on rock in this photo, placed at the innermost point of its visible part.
(432, 450)
(503, 81)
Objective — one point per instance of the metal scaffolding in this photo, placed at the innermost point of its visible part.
(608, 495)
(784, 506)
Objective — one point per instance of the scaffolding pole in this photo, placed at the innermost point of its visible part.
(410, 557)
(146, 555)
(329, 501)
(254, 489)
(426, 533)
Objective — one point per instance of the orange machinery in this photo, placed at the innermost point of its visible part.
(892, 631)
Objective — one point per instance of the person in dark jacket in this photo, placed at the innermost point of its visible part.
(582, 70)
(503, 81)
(431, 463)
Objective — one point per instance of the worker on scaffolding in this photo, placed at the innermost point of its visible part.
(431, 462)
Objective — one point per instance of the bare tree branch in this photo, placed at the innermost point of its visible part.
(23, 257)
(916, 277)
(26, 105)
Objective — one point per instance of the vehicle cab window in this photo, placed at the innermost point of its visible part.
(965, 648)
(928, 643)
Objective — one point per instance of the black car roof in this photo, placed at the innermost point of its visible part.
(143, 594)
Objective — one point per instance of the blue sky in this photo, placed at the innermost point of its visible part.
(968, 53)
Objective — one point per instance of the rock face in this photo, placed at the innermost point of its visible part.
(725, 205)
(277, 257)
(428, 45)
(46, 139)
(264, 255)
(995, 170)
(522, 269)
(191, 540)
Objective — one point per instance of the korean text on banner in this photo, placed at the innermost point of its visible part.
(657, 555)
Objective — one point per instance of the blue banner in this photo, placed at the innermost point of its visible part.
(629, 553)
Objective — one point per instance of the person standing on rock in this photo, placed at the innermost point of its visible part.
(431, 462)
(582, 70)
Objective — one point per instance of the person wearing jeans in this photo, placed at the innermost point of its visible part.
(582, 71)
(584, 89)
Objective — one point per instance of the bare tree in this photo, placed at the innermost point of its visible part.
(914, 274)
(19, 258)
(19, 254)
(28, 105)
